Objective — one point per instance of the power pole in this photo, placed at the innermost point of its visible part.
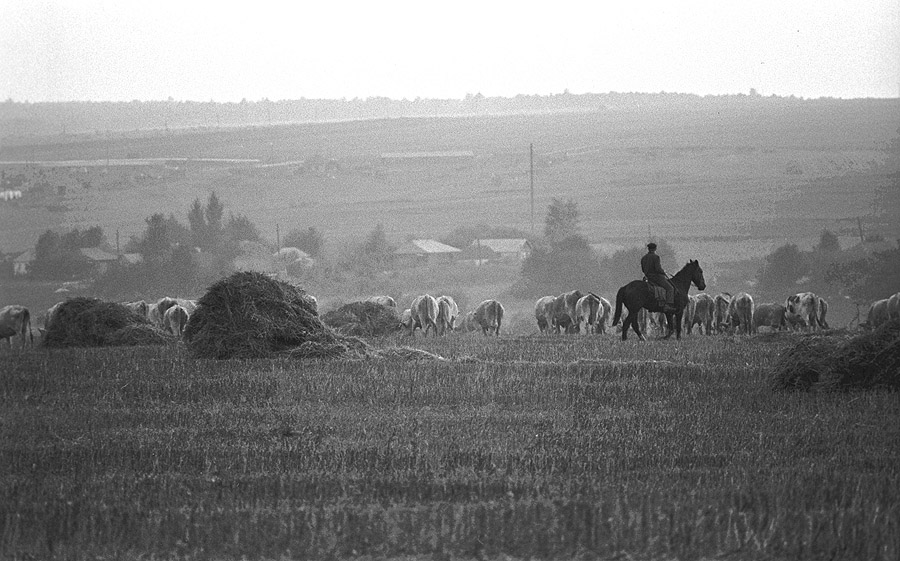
(531, 174)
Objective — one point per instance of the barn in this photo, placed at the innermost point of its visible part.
(425, 252)
(506, 249)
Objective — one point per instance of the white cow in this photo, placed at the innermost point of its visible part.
(701, 311)
(543, 311)
(603, 315)
(447, 313)
(15, 320)
(802, 310)
(424, 314)
(740, 313)
(175, 320)
(586, 310)
(893, 306)
(383, 300)
(878, 314)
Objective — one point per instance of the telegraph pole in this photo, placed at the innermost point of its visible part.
(531, 174)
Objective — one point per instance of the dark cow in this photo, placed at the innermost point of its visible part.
(770, 316)
(424, 314)
(563, 312)
(893, 306)
(16, 320)
(489, 316)
(740, 313)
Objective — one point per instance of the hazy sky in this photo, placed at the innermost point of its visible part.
(226, 51)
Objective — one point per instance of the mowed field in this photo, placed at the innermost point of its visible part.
(545, 447)
(721, 182)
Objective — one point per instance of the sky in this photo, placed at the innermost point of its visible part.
(227, 51)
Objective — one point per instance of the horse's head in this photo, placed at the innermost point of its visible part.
(697, 275)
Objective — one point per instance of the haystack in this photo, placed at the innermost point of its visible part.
(828, 363)
(363, 319)
(90, 322)
(250, 315)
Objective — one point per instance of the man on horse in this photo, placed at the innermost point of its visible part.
(656, 275)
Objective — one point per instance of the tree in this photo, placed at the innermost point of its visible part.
(568, 264)
(376, 250)
(868, 279)
(56, 257)
(197, 223)
(239, 228)
(310, 240)
(828, 242)
(783, 268)
(561, 221)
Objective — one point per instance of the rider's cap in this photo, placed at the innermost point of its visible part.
(651, 246)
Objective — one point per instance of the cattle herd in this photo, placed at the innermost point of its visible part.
(570, 312)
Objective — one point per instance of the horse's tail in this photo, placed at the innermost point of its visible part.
(620, 297)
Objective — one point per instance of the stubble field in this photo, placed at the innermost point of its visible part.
(517, 447)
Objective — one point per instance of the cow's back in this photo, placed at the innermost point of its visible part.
(878, 313)
(769, 315)
(543, 310)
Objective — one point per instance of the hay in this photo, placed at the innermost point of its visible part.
(90, 322)
(363, 319)
(828, 363)
(249, 315)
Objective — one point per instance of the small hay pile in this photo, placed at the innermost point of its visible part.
(868, 360)
(250, 315)
(90, 322)
(363, 319)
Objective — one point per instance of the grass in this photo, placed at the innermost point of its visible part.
(532, 447)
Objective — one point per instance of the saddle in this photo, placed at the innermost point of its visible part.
(659, 293)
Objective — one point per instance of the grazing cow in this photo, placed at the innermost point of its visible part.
(447, 313)
(156, 312)
(175, 319)
(15, 320)
(878, 314)
(823, 310)
(722, 301)
(770, 316)
(603, 315)
(740, 313)
(382, 300)
(45, 319)
(802, 310)
(563, 311)
(406, 319)
(586, 310)
(489, 316)
(893, 306)
(543, 312)
(468, 322)
(139, 307)
(701, 311)
(424, 314)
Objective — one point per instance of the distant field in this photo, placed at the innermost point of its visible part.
(518, 448)
(719, 184)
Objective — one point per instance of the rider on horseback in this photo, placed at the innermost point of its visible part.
(654, 272)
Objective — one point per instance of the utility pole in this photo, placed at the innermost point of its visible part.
(277, 238)
(531, 174)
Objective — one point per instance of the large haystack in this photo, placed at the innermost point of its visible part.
(363, 319)
(89, 322)
(250, 315)
(868, 360)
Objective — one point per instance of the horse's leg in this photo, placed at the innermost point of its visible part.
(678, 317)
(669, 328)
(635, 324)
(625, 325)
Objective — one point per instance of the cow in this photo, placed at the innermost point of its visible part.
(563, 311)
(893, 306)
(386, 301)
(16, 320)
(543, 312)
(823, 310)
(468, 322)
(489, 316)
(770, 316)
(447, 313)
(701, 311)
(406, 320)
(139, 307)
(878, 314)
(424, 314)
(603, 315)
(156, 312)
(740, 313)
(721, 317)
(175, 319)
(802, 310)
(586, 310)
(46, 319)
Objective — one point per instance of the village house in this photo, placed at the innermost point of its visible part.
(425, 252)
(507, 249)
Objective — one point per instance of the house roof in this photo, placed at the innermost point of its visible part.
(503, 245)
(423, 247)
(25, 257)
(132, 258)
(97, 254)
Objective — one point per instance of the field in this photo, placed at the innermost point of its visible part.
(514, 448)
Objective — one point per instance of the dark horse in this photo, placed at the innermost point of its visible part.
(639, 294)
